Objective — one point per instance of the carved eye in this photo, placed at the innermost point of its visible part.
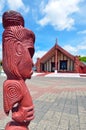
(31, 51)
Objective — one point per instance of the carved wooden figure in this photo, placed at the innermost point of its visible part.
(18, 50)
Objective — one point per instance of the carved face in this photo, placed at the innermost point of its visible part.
(18, 50)
(25, 61)
(18, 47)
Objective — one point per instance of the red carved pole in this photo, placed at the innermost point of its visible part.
(18, 50)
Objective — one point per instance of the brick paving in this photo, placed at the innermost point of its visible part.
(60, 103)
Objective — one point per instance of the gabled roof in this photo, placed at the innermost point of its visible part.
(51, 52)
(65, 52)
(48, 54)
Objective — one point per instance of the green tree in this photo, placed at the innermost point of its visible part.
(0, 62)
(83, 58)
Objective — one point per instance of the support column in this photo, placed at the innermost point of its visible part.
(56, 61)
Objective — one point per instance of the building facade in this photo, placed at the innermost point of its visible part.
(59, 60)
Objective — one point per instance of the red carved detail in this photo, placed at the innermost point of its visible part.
(12, 94)
(18, 50)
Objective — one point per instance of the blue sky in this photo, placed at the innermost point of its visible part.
(51, 19)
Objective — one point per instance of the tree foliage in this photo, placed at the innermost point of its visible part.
(0, 62)
(83, 59)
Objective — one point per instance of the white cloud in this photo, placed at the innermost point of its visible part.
(78, 49)
(59, 13)
(17, 4)
(82, 45)
(81, 19)
(82, 32)
(1, 8)
(1, 5)
(38, 54)
(71, 49)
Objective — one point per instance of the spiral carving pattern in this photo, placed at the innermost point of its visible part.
(12, 92)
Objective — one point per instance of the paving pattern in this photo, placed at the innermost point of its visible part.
(60, 103)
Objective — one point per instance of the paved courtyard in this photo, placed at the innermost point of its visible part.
(60, 103)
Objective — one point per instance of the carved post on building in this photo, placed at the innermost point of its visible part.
(18, 50)
(56, 59)
(76, 64)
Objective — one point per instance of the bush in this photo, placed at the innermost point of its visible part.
(83, 59)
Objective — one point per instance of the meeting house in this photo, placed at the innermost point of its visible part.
(60, 60)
